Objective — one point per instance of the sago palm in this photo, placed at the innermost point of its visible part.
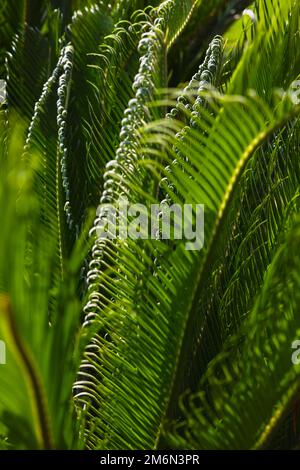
(113, 343)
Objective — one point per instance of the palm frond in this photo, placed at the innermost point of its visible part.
(35, 400)
(153, 300)
(248, 389)
(167, 340)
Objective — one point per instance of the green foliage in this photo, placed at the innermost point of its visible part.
(138, 344)
(39, 327)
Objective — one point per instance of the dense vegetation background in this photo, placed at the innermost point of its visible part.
(141, 344)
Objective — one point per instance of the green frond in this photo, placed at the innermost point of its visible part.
(140, 322)
(248, 389)
(35, 383)
(27, 68)
(153, 299)
(158, 340)
(12, 17)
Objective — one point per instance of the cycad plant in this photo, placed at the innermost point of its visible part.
(122, 343)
